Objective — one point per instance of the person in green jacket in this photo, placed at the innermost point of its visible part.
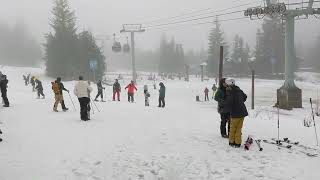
(220, 97)
(162, 95)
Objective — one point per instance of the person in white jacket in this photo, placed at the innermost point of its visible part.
(82, 90)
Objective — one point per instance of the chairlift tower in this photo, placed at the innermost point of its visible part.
(132, 28)
(289, 95)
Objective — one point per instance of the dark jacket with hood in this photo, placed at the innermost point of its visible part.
(220, 97)
(235, 102)
(162, 91)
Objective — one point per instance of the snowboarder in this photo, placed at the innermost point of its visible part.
(214, 89)
(116, 90)
(206, 94)
(162, 95)
(146, 95)
(131, 88)
(220, 96)
(39, 89)
(33, 83)
(61, 89)
(82, 90)
(100, 91)
(3, 87)
(235, 104)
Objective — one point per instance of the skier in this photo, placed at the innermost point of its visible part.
(131, 88)
(57, 95)
(214, 89)
(61, 89)
(25, 80)
(0, 133)
(28, 79)
(116, 90)
(82, 90)
(33, 83)
(146, 95)
(162, 95)
(100, 91)
(206, 94)
(39, 88)
(220, 96)
(238, 111)
(3, 87)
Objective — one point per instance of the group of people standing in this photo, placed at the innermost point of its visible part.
(232, 110)
(36, 85)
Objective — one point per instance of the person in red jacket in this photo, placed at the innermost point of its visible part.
(131, 88)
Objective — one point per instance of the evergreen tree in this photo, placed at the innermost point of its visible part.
(270, 51)
(216, 39)
(67, 54)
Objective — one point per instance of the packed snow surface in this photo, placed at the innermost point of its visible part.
(128, 141)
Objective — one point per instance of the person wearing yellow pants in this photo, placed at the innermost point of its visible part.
(235, 104)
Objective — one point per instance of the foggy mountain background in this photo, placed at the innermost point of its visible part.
(104, 18)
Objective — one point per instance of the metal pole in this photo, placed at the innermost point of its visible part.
(278, 123)
(289, 53)
(202, 67)
(221, 63)
(252, 89)
(133, 60)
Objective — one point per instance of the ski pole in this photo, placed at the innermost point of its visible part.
(278, 123)
(95, 105)
(91, 106)
(74, 107)
(314, 122)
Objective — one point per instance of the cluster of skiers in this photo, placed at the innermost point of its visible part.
(36, 85)
(232, 110)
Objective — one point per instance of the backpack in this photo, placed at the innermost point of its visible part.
(55, 87)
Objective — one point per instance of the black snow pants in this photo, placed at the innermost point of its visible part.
(4, 97)
(84, 108)
(130, 97)
(100, 93)
(162, 102)
(225, 119)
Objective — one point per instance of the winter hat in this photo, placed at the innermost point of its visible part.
(230, 82)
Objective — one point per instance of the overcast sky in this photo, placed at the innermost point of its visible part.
(104, 17)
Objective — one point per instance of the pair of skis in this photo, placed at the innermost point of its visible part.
(292, 146)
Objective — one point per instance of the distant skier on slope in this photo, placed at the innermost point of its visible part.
(131, 89)
(26, 81)
(116, 90)
(206, 94)
(214, 89)
(162, 95)
(238, 111)
(3, 87)
(33, 83)
(82, 90)
(100, 91)
(39, 88)
(220, 97)
(146, 95)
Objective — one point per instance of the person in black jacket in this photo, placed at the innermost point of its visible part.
(39, 88)
(220, 97)
(116, 90)
(62, 88)
(100, 91)
(3, 86)
(235, 105)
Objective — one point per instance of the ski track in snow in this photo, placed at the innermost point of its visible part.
(132, 142)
